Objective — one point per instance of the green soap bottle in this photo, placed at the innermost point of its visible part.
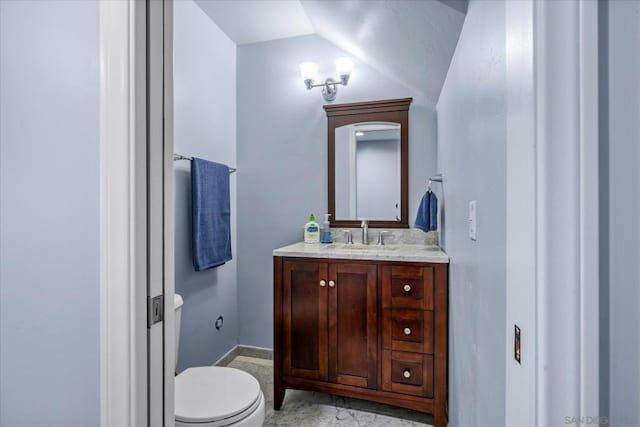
(312, 230)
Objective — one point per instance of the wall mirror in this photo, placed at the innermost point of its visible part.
(369, 163)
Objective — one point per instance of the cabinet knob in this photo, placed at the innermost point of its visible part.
(323, 283)
(331, 283)
(407, 331)
(407, 288)
(406, 373)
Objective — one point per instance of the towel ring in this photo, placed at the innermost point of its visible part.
(434, 178)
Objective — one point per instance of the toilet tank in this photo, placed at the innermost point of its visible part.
(177, 306)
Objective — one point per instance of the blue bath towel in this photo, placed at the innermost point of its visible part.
(433, 211)
(211, 214)
(427, 216)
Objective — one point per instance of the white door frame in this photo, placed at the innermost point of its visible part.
(552, 260)
(127, 185)
(123, 217)
(552, 211)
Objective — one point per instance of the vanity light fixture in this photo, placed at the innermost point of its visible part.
(309, 71)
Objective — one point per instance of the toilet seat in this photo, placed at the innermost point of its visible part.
(214, 396)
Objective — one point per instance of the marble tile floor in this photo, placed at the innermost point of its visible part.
(311, 409)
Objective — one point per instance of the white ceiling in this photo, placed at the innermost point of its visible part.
(410, 41)
(251, 21)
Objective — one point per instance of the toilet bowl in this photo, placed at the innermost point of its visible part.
(214, 396)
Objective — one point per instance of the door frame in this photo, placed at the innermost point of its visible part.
(535, 162)
(552, 211)
(126, 187)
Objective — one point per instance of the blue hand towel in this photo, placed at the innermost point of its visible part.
(433, 211)
(211, 214)
(422, 217)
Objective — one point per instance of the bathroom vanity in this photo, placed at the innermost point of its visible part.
(362, 321)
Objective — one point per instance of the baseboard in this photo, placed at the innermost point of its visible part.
(227, 358)
(245, 350)
(252, 351)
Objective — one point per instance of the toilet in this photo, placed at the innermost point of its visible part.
(213, 396)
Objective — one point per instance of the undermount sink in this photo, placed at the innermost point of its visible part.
(360, 247)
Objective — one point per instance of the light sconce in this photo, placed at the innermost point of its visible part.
(309, 71)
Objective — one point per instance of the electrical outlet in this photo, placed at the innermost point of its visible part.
(516, 344)
(473, 221)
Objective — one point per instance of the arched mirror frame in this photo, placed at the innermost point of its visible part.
(390, 110)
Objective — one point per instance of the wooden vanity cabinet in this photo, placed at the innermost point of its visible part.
(374, 330)
(329, 322)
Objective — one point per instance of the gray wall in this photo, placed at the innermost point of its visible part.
(205, 127)
(282, 152)
(620, 191)
(472, 157)
(49, 214)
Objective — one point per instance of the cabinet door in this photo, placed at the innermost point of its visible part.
(305, 319)
(353, 331)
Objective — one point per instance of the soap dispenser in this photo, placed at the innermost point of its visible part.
(312, 230)
(325, 231)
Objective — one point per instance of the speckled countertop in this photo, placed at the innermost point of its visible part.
(402, 252)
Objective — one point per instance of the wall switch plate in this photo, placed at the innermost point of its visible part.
(473, 221)
(516, 344)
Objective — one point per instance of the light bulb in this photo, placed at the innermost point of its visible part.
(344, 68)
(308, 70)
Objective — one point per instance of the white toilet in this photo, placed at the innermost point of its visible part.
(212, 396)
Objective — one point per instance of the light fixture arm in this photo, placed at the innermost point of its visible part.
(328, 82)
(329, 87)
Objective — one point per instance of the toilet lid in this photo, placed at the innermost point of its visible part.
(212, 393)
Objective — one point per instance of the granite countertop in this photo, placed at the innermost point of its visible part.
(401, 252)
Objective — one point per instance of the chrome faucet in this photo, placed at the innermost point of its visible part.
(365, 231)
(381, 238)
(349, 236)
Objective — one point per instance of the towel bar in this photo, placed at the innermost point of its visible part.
(181, 157)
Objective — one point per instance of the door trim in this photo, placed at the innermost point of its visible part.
(168, 237)
(123, 344)
(552, 211)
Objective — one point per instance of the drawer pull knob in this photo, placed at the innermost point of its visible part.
(407, 373)
(407, 331)
(323, 283)
(332, 283)
(407, 288)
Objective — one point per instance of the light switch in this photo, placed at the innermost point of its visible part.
(473, 221)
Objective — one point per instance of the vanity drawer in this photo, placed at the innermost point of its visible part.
(407, 330)
(407, 325)
(408, 373)
(407, 287)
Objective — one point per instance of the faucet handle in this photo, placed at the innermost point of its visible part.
(381, 237)
(349, 236)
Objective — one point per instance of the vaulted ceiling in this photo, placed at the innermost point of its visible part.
(410, 41)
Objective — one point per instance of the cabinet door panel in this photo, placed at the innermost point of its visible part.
(305, 320)
(353, 335)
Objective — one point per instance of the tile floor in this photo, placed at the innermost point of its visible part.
(311, 409)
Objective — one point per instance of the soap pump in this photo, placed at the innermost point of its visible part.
(325, 231)
(311, 230)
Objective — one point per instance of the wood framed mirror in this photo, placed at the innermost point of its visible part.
(368, 160)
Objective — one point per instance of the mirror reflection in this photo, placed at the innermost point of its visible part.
(367, 171)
